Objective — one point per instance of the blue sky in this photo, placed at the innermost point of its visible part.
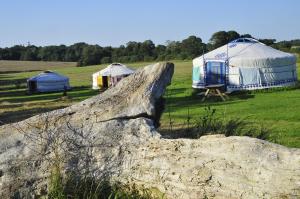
(115, 22)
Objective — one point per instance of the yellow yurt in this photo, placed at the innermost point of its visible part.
(110, 75)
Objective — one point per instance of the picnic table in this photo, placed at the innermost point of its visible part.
(214, 90)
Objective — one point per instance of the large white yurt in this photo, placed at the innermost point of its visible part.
(48, 81)
(110, 75)
(245, 64)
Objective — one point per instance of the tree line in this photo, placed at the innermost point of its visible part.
(85, 54)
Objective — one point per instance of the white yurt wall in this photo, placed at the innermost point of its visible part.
(115, 72)
(50, 81)
(249, 65)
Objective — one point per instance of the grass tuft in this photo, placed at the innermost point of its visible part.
(210, 124)
(91, 188)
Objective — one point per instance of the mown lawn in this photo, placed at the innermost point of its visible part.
(18, 66)
(278, 110)
(16, 105)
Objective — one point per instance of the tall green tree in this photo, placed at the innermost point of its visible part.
(246, 36)
(192, 47)
(52, 53)
(222, 37)
(133, 51)
(232, 35)
(91, 55)
(160, 52)
(268, 42)
(15, 52)
(173, 50)
(74, 52)
(30, 54)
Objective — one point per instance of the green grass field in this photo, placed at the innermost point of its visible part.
(278, 109)
(25, 66)
(16, 105)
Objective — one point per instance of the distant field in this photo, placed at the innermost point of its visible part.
(276, 109)
(22, 66)
(16, 105)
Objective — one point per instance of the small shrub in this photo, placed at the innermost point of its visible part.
(56, 188)
(210, 123)
(120, 191)
(233, 127)
(76, 187)
(207, 123)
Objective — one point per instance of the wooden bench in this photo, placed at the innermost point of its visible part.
(214, 90)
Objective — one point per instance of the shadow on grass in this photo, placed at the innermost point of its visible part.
(208, 124)
(18, 71)
(19, 115)
(8, 84)
(8, 105)
(232, 130)
(13, 93)
(176, 91)
(12, 87)
(191, 99)
(176, 133)
(22, 96)
(16, 98)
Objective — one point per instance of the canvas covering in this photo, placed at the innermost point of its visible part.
(250, 65)
(49, 81)
(113, 70)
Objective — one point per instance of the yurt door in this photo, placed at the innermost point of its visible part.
(32, 86)
(215, 72)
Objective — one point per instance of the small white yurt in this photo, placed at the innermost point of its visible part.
(48, 81)
(245, 64)
(110, 75)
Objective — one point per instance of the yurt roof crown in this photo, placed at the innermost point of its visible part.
(116, 69)
(49, 76)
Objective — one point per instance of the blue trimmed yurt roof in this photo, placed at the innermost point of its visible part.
(245, 40)
(48, 76)
(248, 52)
